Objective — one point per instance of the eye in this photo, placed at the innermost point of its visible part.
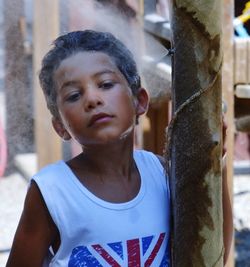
(73, 97)
(107, 85)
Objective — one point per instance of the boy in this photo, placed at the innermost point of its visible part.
(108, 206)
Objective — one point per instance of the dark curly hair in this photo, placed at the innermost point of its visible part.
(88, 40)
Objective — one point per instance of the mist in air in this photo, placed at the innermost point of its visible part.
(17, 71)
(127, 27)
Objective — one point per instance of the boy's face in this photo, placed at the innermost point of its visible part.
(95, 103)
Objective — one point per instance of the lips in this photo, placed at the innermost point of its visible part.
(99, 118)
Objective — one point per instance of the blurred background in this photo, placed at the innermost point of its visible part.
(27, 140)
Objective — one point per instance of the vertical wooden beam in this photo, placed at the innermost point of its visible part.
(195, 136)
(45, 30)
(19, 128)
(241, 62)
(141, 7)
(248, 60)
(228, 93)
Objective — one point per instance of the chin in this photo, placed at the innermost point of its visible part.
(109, 137)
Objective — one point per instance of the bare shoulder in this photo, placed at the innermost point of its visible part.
(36, 232)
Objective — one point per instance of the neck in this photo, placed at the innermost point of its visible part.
(110, 159)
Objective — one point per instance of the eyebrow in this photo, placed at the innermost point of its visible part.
(74, 83)
(69, 83)
(106, 71)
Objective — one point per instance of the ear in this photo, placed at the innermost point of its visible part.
(142, 101)
(60, 129)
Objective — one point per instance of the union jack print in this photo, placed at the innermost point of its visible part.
(139, 252)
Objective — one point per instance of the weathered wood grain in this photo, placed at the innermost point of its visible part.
(194, 137)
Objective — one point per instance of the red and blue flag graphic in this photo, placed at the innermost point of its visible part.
(131, 253)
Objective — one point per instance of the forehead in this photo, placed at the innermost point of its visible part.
(86, 63)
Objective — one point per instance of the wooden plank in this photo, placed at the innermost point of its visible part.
(248, 60)
(45, 30)
(240, 60)
(242, 90)
(149, 126)
(154, 127)
(162, 121)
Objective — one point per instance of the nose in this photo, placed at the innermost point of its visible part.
(93, 99)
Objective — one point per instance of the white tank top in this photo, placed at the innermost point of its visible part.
(95, 232)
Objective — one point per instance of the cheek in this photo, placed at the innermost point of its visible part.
(126, 106)
(125, 99)
(69, 120)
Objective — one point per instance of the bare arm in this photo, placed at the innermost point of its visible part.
(227, 215)
(35, 233)
(226, 200)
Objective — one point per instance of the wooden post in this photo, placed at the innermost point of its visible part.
(19, 125)
(241, 60)
(46, 29)
(228, 93)
(195, 136)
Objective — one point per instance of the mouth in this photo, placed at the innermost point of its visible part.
(99, 118)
